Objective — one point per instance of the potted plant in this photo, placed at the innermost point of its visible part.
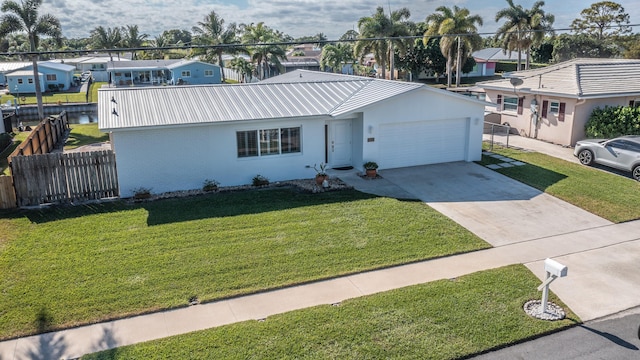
(371, 169)
(321, 173)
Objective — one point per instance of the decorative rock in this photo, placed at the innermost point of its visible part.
(534, 308)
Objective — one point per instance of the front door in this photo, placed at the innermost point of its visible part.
(340, 143)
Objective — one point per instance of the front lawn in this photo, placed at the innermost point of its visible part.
(57, 97)
(609, 196)
(76, 265)
(445, 319)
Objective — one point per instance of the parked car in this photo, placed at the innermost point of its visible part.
(621, 153)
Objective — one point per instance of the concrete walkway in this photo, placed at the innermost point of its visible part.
(603, 279)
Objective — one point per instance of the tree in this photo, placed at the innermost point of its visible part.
(242, 67)
(177, 36)
(212, 31)
(459, 35)
(377, 26)
(132, 38)
(567, 47)
(263, 52)
(108, 38)
(24, 17)
(523, 28)
(602, 19)
(334, 56)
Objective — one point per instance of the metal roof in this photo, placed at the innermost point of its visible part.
(497, 54)
(140, 64)
(577, 78)
(10, 66)
(285, 96)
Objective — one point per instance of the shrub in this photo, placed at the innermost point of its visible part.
(141, 193)
(210, 185)
(260, 180)
(613, 121)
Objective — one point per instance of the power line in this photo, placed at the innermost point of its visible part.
(276, 43)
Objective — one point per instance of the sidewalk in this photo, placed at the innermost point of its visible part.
(517, 141)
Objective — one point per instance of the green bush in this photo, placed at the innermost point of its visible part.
(5, 140)
(613, 121)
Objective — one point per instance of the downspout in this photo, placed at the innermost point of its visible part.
(573, 120)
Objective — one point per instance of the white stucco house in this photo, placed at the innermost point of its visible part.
(554, 103)
(173, 138)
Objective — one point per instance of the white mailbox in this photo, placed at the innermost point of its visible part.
(555, 268)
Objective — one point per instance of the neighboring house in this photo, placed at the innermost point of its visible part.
(7, 67)
(554, 103)
(486, 60)
(97, 65)
(53, 77)
(156, 72)
(301, 57)
(174, 137)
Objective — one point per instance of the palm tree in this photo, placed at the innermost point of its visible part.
(242, 67)
(133, 39)
(381, 26)
(336, 55)
(211, 31)
(259, 38)
(23, 17)
(459, 35)
(109, 38)
(523, 28)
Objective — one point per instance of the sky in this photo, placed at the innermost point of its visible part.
(294, 17)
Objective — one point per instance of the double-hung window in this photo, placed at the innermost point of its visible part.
(510, 103)
(266, 142)
(185, 73)
(554, 107)
(52, 77)
(208, 73)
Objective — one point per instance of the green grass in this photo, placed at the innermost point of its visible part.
(102, 261)
(613, 197)
(17, 140)
(84, 134)
(445, 319)
(54, 98)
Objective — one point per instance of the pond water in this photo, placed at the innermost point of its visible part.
(84, 117)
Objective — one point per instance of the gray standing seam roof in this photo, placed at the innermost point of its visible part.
(200, 104)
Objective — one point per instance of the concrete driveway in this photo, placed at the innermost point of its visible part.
(498, 209)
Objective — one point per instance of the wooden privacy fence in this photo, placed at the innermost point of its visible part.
(7, 194)
(64, 177)
(44, 137)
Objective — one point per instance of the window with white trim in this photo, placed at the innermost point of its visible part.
(185, 73)
(268, 142)
(554, 107)
(30, 80)
(510, 103)
(208, 73)
(20, 81)
(52, 77)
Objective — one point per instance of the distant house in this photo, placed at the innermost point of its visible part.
(554, 103)
(7, 67)
(97, 65)
(156, 72)
(281, 127)
(486, 60)
(53, 77)
(302, 57)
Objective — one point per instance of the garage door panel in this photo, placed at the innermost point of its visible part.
(420, 143)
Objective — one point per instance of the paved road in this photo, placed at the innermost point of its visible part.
(615, 337)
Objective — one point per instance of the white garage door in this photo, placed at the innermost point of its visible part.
(421, 143)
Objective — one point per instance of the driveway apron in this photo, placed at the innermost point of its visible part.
(496, 208)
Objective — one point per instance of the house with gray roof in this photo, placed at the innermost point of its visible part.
(162, 72)
(554, 103)
(172, 138)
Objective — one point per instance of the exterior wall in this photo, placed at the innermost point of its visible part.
(25, 87)
(197, 74)
(149, 158)
(422, 105)
(551, 129)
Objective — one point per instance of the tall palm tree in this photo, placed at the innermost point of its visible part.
(24, 17)
(334, 56)
(378, 26)
(211, 31)
(523, 28)
(131, 38)
(260, 38)
(459, 36)
(108, 38)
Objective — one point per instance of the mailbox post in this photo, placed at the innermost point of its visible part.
(554, 270)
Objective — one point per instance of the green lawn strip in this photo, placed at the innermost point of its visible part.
(610, 196)
(54, 98)
(84, 134)
(102, 261)
(444, 319)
